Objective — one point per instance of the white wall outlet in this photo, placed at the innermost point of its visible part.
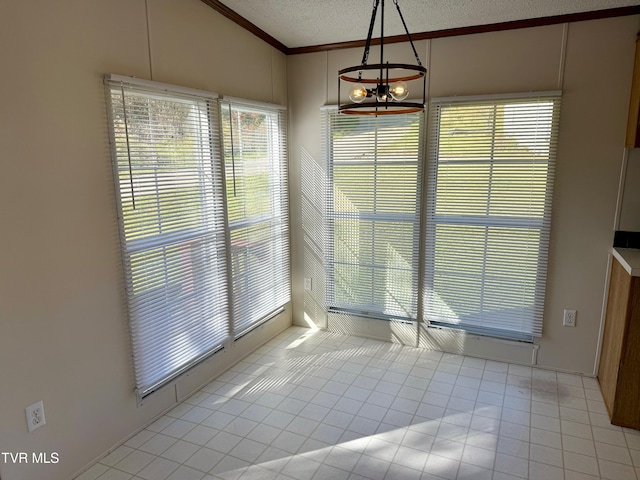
(307, 284)
(569, 318)
(35, 416)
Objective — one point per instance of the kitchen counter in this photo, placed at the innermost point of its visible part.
(629, 258)
(619, 369)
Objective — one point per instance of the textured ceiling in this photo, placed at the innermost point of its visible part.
(299, 23)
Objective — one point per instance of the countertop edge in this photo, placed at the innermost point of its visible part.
(629, 258)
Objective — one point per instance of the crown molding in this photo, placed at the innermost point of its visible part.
(450, 32)
(246, 24)
(494, 27)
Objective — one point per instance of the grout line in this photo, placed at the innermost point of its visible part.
(560, 426)
(391, 364)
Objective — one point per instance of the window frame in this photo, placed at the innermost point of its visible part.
(277, 218)
(433, 219)
(212, 207)
(329, 115)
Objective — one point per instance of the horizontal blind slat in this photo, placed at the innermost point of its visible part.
(169, 186)
(490, 178)
(255, 165)
(373, 213)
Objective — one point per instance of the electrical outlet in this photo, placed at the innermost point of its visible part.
(569, 318)
(35, 416)
(307, 283)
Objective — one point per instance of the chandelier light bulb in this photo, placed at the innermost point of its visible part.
(382, 88)
(399, 91)
(358, 93)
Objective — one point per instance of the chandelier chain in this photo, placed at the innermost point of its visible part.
(365, 56)
(381, 88)
(395, 2)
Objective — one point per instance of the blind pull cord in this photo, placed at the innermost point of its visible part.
(126, 132)
(233, 155)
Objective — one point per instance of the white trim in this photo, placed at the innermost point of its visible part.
(506, 96)
(479, 346)
(251, 103)
(621, 183)
(403, 333)
(111, 78)
(603, 314)
(563, 55)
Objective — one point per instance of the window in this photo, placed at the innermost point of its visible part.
(373, 214)
(491, 167)
(190, 242)
(256, 185)
(169, 188)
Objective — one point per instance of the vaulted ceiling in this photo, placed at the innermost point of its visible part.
(301, 23)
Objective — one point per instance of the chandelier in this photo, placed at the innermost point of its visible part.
(382, 88)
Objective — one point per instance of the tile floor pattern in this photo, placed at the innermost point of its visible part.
(312, 405)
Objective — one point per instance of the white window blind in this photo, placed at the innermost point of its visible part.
(171, 209)
(256, 184)
(373, 214)
(491, 169)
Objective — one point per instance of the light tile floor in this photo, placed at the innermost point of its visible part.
(313, 405)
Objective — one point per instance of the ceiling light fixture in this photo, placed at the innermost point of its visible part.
(382, 89)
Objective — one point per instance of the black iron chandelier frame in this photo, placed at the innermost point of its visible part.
(377, 82)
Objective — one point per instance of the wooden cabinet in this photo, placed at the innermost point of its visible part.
(619, 370)
(633, 123)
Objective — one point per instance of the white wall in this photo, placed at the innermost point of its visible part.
(591, 62)
(63, 328)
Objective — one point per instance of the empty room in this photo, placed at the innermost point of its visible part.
(338, 240)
